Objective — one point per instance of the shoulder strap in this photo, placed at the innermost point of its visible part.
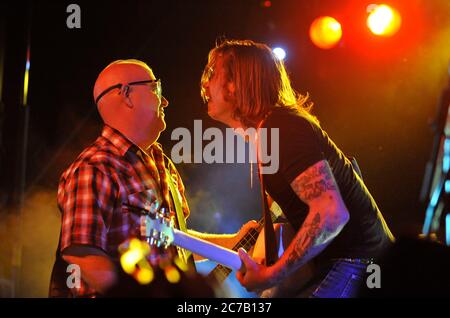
(176, 199)
(270, 240)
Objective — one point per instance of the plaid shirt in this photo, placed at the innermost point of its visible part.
(94, 193)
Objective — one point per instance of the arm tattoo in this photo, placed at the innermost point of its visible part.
(313, 182)
(310, 235)
(315, 187)
(302, 245)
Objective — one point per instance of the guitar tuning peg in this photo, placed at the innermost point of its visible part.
(166, 242)
(160, 239)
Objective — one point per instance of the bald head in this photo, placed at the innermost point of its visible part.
(121, 72)
(135, 110)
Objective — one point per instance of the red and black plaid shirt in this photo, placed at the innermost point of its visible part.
(94, 193)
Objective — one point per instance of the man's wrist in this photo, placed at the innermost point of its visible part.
(275, 274)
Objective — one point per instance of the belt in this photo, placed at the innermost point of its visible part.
(365, 261)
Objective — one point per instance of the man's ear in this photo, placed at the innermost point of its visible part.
(125, 92)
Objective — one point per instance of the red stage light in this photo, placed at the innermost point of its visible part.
(325, 32)
(267, 4)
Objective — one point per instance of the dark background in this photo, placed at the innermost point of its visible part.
(376, 98)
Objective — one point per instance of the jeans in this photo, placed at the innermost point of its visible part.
(342, 281)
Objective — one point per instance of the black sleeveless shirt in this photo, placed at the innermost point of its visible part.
(302, 143)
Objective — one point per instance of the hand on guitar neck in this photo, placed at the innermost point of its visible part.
(228, 241)
(259, 273)
(290, 286)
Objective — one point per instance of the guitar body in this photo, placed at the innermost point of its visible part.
(160, 230)
(292, 285)
(230, 287)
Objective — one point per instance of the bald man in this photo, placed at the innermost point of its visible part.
(124, 171)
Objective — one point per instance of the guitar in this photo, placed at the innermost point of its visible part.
(296, 282)
(220, 273)
(161, 232)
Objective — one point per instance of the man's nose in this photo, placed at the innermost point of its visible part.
(164, 102)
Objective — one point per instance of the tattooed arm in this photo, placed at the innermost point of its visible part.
(327, 216)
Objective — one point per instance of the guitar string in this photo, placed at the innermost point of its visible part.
(247, 242)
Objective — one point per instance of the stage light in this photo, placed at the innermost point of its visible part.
(383, 20)
(279, 53)
(172, 274)
(132, 254)
(325, 32)
(266, 4)
(26, 79)
(145, 276)
(447, 229)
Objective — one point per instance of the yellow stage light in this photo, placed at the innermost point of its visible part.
(172, 274)
(145, 276)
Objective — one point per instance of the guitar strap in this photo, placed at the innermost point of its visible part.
(162, 168)
(176, 199)
(270, 240)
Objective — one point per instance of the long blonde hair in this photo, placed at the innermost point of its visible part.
(260, 79)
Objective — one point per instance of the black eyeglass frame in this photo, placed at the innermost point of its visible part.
(119, 86)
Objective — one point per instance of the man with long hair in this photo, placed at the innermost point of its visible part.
(336, 221)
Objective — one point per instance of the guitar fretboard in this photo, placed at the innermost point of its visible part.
(220, 272)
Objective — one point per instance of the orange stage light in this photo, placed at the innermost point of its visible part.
(325, 32)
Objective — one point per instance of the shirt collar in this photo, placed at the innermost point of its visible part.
(117, 139)
(123, 144)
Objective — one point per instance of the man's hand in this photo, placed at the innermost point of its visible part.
(97, 269)
(253, 276)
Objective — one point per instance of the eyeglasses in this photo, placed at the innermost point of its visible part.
(157, 89)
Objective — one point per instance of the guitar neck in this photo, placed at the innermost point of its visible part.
(206, 249)
(220, 272)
